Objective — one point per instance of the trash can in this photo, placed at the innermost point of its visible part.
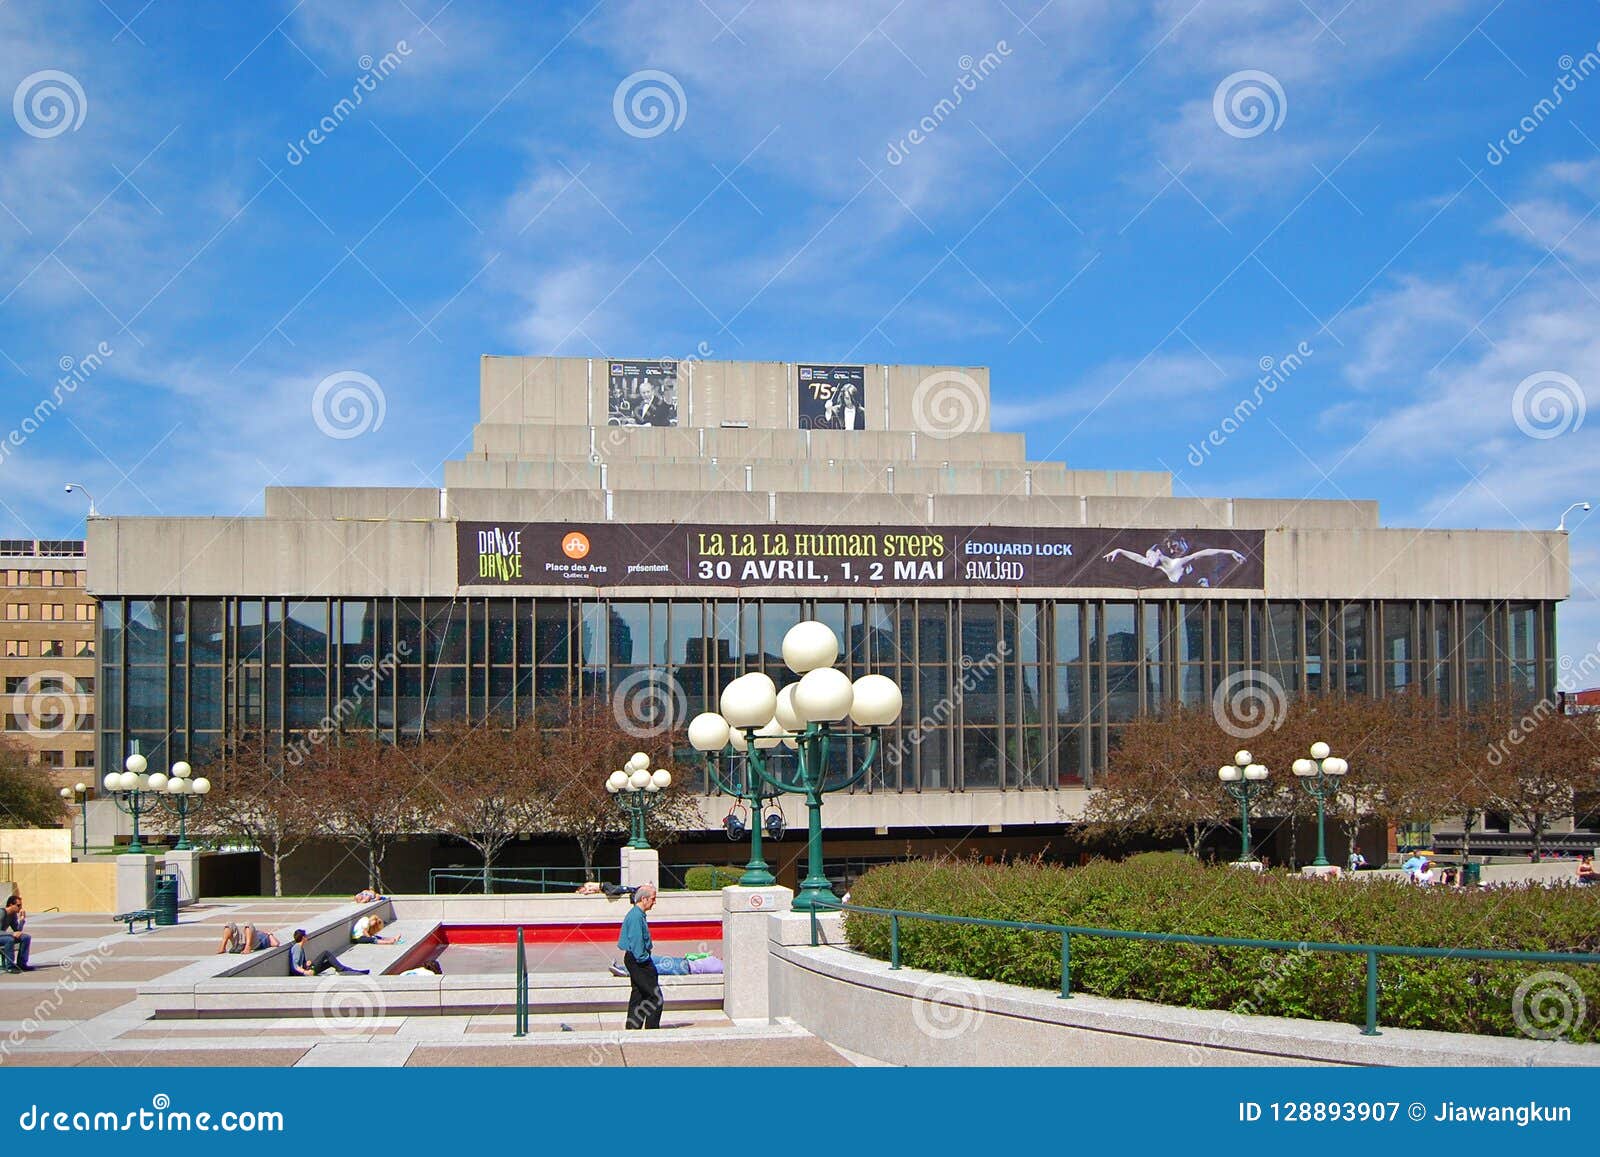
(1471, 874)
(165, 900)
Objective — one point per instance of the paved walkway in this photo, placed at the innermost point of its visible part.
(80, 1007)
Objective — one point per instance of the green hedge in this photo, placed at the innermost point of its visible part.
(1177, 894)
(706, 878)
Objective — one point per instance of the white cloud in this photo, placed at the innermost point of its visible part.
(1181, 383)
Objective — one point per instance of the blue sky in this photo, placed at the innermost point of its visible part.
(1097, 220)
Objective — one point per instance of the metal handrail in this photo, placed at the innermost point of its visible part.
(543, 877)
(1068, 931)
(522, 986)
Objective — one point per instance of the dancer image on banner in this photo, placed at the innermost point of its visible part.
(1173, 558)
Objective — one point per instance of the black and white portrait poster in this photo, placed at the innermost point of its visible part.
(833, 398)
(642, 393)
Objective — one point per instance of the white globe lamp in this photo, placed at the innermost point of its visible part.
(769, 735)
(749, 701)
(875, 701)
(824, 695)
(810, 645)
(785, 712)
(708, 731)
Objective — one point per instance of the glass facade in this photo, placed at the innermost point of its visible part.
(999, 695)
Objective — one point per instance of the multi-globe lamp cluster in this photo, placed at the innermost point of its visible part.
(802, 720)
(137, 790)
(638, 790)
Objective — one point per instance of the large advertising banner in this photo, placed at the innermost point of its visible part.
(642, 393)
(687, 554)
(833, 397)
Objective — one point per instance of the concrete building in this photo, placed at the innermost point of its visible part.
(651, 529)
(47, 655)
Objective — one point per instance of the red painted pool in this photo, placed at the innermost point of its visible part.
(472, 949)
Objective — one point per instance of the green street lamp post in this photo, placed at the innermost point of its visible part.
(185, 794)
(1320, 775)
(139, 792)
(131, 790)
(803, 721)
(79, 793)
(1243, 779)
(744, 784)
(638, 791)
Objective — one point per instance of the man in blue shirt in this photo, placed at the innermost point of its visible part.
(14, 942)
(644, 999)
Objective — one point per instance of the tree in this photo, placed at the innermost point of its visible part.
(481, 784)
(369, 792)
(583, 745)
(1161, 779)
(1402, 752)
(261, 799)
(27, 797)
(1536, 762)
(1405, 764)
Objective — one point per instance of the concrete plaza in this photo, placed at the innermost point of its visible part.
(81, 1007)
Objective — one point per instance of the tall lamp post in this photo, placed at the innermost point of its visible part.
(742, 782)
(638, 790)
(1243, 779)
(79, 794)
(1320, 775)
(133, 793)
(185, 793)
(804, 721)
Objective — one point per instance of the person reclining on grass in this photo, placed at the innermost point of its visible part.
(367, 896)
(301, 965)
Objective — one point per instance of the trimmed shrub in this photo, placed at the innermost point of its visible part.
(706, 878)
(1178, 894)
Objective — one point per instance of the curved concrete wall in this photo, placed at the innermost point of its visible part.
(911, 1017)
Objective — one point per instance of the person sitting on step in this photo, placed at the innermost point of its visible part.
(302, 965)
(14, 942)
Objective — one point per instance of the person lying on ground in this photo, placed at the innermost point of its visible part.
(256, 940)
(367, 896)
(596, 888)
